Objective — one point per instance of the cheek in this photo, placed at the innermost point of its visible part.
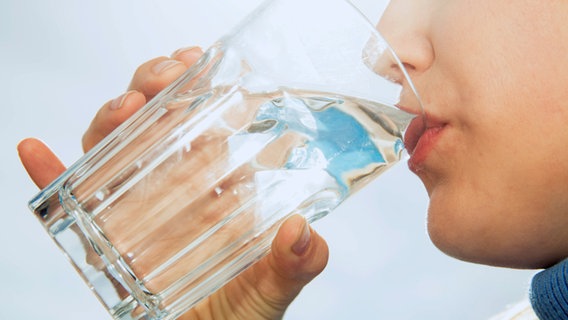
(503, 202)
(498, 179)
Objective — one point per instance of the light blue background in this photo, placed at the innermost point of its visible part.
(61, 60)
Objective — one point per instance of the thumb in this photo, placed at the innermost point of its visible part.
(298, 255)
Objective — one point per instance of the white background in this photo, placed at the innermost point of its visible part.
(61, 60)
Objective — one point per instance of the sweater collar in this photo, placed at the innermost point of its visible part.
(549, 292)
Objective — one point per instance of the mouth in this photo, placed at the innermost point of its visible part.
(420, 138)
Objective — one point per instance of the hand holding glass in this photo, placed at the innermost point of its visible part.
(289, 114)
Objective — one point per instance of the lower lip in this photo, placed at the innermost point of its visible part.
(423, 148)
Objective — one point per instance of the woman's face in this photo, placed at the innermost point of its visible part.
(493, 78)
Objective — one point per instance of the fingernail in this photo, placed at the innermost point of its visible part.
(117, 102)
(303, 242)
(164, 65)
(182, 51)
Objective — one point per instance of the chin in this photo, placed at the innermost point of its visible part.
(474, 221)
(477, 249)
(462, 233)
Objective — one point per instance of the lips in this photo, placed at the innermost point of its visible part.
(413, 133)
(420, 138)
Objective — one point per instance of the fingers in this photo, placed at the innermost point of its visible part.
(110, 116)
(40, 162)
(298, 252)
(149, 79)
(298, 255)
(188, 55)
(154, 75)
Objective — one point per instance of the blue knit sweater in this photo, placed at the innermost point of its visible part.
(549, 292)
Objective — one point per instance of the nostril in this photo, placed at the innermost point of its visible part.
(408, 67)
(395, 74)
(383, 63)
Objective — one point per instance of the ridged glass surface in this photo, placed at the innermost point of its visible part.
(191, 190)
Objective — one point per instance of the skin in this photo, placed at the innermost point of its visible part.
(492, 78)
(492, 81)
(263, 291)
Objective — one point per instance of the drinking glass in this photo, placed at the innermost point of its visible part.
(290, 113)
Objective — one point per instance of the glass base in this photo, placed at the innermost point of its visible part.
(108, 281)
(110, 278)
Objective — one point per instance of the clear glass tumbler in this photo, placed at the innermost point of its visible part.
(296, 109)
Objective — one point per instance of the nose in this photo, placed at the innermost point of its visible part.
(404, 25)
